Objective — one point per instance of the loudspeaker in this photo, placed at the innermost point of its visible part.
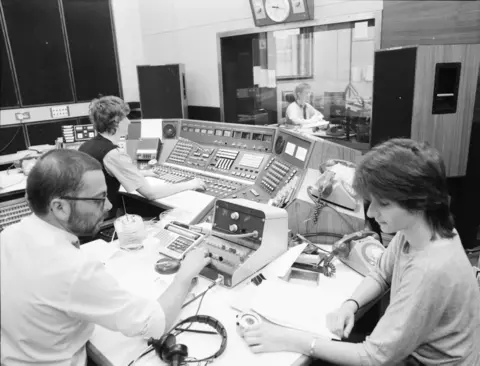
(163, 91)
(427, 93)
(170, 129)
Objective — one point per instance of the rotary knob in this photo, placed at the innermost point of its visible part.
(234, 216)
(233, 228)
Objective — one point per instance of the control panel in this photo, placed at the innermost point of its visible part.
(191, 154)
(215, 186)
(240, 137)
(245, 237)
(13, 211)
(283, 169)
(241, 164)
(74, 133)
(258, 163)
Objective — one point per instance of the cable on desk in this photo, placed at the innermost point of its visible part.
(253, 234)
(181, 330)
(319, 233)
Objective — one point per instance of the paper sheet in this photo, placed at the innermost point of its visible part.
(241, 297)
(256, 75)
(151, 128)
(271, 79)
(361, 30)
(294, 306)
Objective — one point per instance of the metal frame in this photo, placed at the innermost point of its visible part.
(376, 15)
(8, 47)
(63, 22)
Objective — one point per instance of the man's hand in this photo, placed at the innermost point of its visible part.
(193, 263)
(197, 184)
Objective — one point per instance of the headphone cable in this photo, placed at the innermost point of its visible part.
(144, 353)
(150, 348)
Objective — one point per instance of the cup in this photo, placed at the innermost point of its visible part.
(131, 232)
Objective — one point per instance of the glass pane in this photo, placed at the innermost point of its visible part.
(317, 79)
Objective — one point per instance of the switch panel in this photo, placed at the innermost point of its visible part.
(60, 111)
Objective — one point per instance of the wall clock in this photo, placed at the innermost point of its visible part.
(269, 12)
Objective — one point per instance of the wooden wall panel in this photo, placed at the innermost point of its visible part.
(449, 133)
(430, 22)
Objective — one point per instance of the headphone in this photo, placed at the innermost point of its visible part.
(175, 354)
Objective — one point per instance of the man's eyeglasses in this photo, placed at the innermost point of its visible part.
(98, 199)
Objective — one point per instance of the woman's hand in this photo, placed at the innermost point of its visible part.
(341, 321)
(269, 337)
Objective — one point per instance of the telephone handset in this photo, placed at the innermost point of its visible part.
(333, 185)
(360, 250)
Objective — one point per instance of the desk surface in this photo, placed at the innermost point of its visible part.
(11, 181)
(134, 270)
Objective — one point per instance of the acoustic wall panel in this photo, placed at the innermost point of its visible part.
(8, 97)
(39, 52)
(12, 139)
(92, 48)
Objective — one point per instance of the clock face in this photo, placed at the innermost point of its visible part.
(277, 10)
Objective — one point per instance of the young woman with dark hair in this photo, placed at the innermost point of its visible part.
(434, 313)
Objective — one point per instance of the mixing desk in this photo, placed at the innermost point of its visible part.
(215, 186)
(257, 163)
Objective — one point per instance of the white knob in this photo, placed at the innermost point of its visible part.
(234, 215)
(233, 228)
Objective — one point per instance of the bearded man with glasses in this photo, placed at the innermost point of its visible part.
(52, 294)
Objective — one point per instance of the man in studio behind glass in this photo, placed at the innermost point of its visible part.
(52, 293)
(301, 112)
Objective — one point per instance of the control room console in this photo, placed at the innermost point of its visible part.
(263, 164)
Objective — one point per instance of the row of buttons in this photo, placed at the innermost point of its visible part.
(244, 175)
(268, 184)
(229, 154)
(224, 164)
(11, 214)
(278, 165)
(180, 159)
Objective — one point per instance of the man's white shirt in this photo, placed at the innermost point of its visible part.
(52, 294)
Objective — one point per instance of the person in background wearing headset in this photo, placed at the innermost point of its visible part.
(434, 313)
(52, 292)
(300, 112)
(109, 117)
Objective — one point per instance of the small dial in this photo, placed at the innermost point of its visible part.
(279, 145)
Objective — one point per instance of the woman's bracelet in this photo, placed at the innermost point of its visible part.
(356, 302)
